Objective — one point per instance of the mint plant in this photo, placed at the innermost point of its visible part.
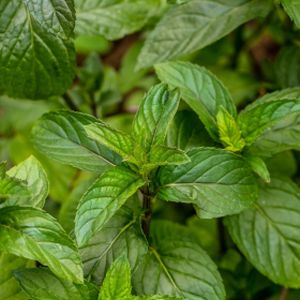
(149, 150)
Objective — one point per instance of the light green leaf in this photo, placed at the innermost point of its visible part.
(121, 234)
(9, 287)
(268, 234)
(115, 140)
(177, 266)
(37, 55)
(229, 131)
(200, 89)
(187, 132)
(155, 298)
(194, 25)
(271, 117)
(217, 182)
(113, 19)
(103, 199)
(292, 8)
(117, 282)
(32, 174)
(259, 167)
(61, 136)
(11, 188)
(32, 233)
(41, 284)
(154, 116)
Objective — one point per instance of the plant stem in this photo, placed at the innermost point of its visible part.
(70, 102)
(283, 294)
(221, 233)
(148, 212)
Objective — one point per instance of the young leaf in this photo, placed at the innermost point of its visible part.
(41, 284)
(37, 53)
(113, 19)
(103, 199)
(200, 89)
(193, 25)
(154, 116)
(9, 287)
(229, 131)
(121, 234)
(35, 179)
(177, 266)
(61, 136)
(265, 117)
(117, 282)
(268, 234)
(117, 141)
(292, 9)
(217, 182)
(259, 167)
(11, 188)
(187, 132)
(32, 233)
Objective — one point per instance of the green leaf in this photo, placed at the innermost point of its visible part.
(32, 233)
(229, 131)
(287, 68)
(113, 19)
(177, 266)
(217, 182)
(292, 8)
(115, 140)
(117, 282)
(61, 136)
(9, 287)
(200, 89)
(35, 179)
(273, 118)
(37, 55)
(41, 284)
(121, 234)
(103, 199)
(187, 132)
(155, 298)
(268, 235)
(194, 25)
(154, 116)
(11, 188)
(259, 167)
(2, 170)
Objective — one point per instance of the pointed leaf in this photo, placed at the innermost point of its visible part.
(154, 116)
(103, 199)
(35, 179)
(11, 188)
(259, 167)
(292, 8)
(268, 234)
(217, 182)
(177, 266)
(117, 282)
(195, 24)
(41, 284)
(121, 234)
(200, 89)
(32, 233)
(37, 55)
(61, 136)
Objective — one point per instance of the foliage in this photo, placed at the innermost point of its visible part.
(149, 150)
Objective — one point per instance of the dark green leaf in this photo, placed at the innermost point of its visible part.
(292, 8)
(202, 91)
(217, 182)
(177, 266)
(61, 136)
(37, 53)
(259, 167)
(32, 233)
(41, 284)
(103, 199)
(268, 234)
(193, 25)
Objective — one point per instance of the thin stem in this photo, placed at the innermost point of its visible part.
(93, 105)
(283, 294)
(69, 102)
(148, 211)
